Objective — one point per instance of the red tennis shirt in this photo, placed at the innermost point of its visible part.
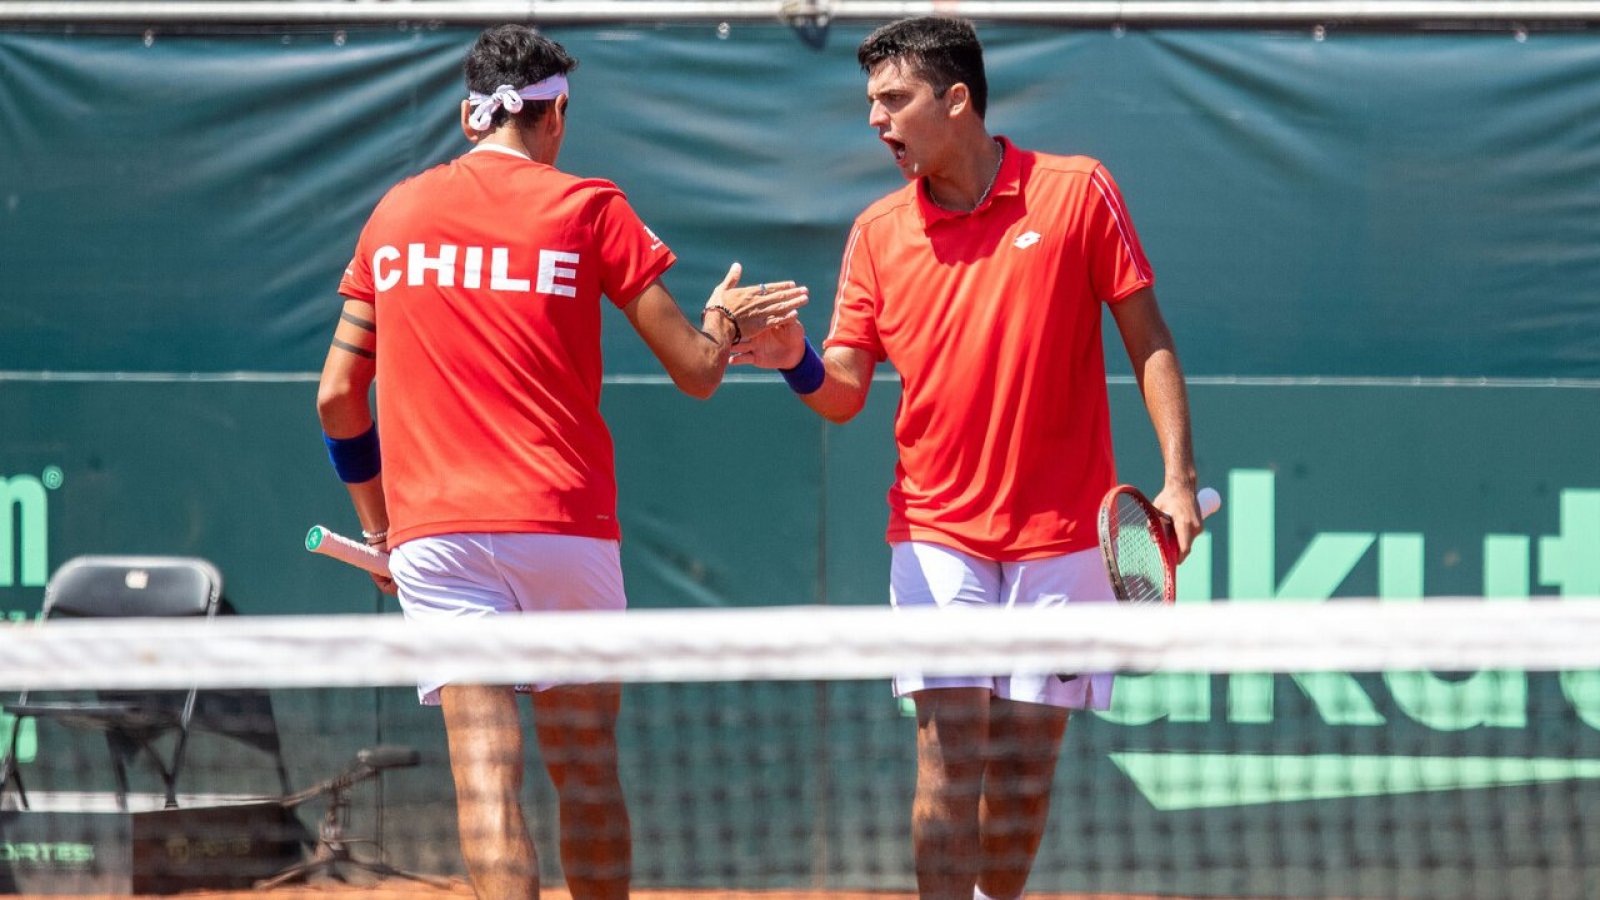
(487, 273)
(992, 318)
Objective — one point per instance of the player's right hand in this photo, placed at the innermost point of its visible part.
(760, 306)
(1187, 523)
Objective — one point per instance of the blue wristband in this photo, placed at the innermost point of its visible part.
(808, 374)
(355, 459)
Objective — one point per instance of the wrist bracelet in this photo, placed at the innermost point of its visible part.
(808, 374)
(374, 537)
(738, 336)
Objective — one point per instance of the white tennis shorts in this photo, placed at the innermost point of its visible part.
(465, 576)
(924, 575)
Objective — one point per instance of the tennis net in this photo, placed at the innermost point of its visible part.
(1448, 748)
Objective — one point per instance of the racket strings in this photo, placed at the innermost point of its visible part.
(1137, 554)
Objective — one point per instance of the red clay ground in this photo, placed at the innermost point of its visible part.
(400, 890)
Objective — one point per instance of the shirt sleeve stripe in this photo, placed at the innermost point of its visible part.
(1120, 214)
(844, 278)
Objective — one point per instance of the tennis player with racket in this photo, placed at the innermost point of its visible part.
(982, 281)
(475, 300)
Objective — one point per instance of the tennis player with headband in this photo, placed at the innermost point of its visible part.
(982, 280)
(473, 299)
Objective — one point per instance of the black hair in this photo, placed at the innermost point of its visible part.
(519, 56)
(941, 50)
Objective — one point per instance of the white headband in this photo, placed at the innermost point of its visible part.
(484, 106)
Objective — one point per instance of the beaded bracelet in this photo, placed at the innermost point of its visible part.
(738, 336)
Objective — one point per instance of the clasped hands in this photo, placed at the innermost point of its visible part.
(757, 311)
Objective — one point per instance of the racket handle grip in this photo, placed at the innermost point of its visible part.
(330, 543)
(1210, 501)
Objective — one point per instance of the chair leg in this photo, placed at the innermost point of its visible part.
(22, 792)
(121, 769)
(171, 775)
(11, 773)
(283, 775)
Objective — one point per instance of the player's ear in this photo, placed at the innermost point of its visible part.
(562, 102)
(472, 134)
(957, 97)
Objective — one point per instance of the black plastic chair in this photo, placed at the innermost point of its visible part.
(136, 722)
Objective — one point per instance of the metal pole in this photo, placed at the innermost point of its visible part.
(195, 12)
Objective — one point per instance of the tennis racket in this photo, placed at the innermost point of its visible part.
(1139, 546)
(330, 543)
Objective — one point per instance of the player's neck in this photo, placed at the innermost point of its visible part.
(971, 177)
(532, 146)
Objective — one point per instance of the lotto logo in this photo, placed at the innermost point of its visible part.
(1028, 239)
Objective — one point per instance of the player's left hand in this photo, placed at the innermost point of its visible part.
(384, 584)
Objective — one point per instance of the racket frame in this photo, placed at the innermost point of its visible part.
(1161, 534)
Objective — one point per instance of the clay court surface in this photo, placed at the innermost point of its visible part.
(394, 890)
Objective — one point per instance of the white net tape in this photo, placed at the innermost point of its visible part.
(803, 643)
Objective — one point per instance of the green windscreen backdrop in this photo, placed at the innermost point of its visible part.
(1379, 252)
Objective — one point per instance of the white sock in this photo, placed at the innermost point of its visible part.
(978, 894)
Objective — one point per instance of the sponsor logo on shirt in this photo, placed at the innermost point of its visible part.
(1025, 240)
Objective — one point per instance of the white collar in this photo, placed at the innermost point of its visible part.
(500, 148)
